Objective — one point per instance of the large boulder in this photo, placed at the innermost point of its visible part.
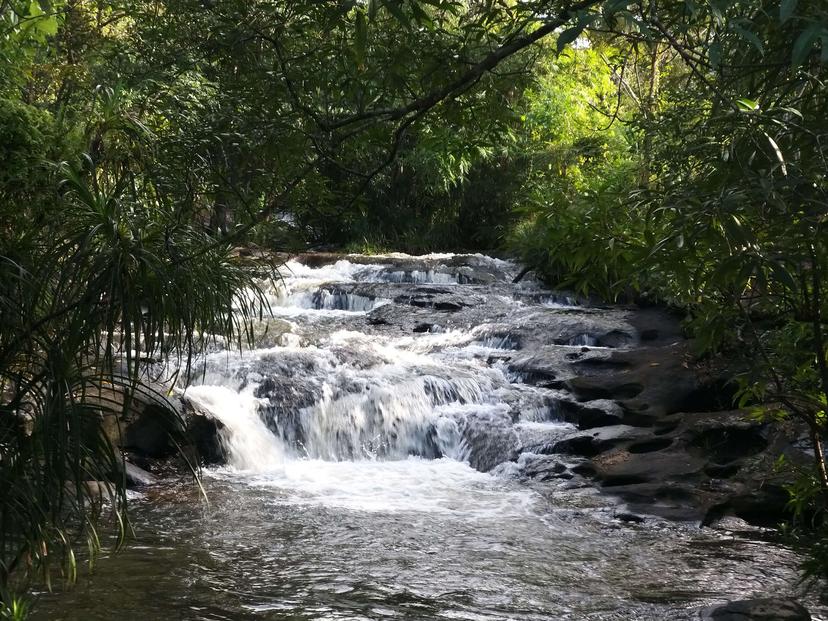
(203, 433)
(145, 424)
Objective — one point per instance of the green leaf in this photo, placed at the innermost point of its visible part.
(39, 23)
(781, 274)
(48, 25)
(395, 8)
(747, 35)
(568, 36)
(735, 230)
(803, 45)
(611, 7)
(35, 9)
(747, 105)
(778, 152)
(422, 17)
(786, 9)
(793, 111)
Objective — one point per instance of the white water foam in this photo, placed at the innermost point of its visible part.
(442, 486)
(419, 277)
(340, 271)
(301, 285)
(249, 444)
(367, 422)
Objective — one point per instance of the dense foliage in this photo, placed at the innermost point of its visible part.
(668, 151)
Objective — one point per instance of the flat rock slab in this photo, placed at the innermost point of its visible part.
(621, 464)
(770, 609)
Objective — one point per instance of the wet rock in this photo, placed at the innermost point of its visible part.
(670, 500)
(621, 467)
(540, 468)
(594, 442)
(715, 471)
(543, 468)
(150, 432)
(612, 436)
(714, 394)
(597, 413)
(765, 506)
(540, 438)
(145, 425)
(702, 467)
(595, 328)
(648, 382)
(591, 388)
(203, 433)
(396, 318)
(582, 445)
(768, 609)
(441, 299)
(488, 440)
(730, 523)
(630, 517)
(650, 334)
(137, 477)
(615, 338)
(285, 394)
(726, 444)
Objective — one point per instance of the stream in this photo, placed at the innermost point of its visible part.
(377, 439)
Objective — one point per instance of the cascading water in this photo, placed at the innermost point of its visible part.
(248, 442)
(361, 396)
(372, 445)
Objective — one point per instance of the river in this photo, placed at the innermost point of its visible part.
(349, 492)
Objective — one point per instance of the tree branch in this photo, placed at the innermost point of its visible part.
(474, 73)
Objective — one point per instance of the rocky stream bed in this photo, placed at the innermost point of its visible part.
(422, 437)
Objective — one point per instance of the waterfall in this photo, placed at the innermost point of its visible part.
(346, 384)
(247, 441)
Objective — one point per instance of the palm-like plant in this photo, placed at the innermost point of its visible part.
(108, 276)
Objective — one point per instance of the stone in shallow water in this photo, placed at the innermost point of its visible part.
(488, 439)
(768, 609)
(137, 477)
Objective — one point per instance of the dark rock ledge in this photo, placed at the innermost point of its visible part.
(756, 610)
(672, 447)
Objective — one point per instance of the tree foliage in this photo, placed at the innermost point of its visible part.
(669, 151)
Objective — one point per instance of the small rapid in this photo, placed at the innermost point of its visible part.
(349, 391)
(249, 445)
(377, 441)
